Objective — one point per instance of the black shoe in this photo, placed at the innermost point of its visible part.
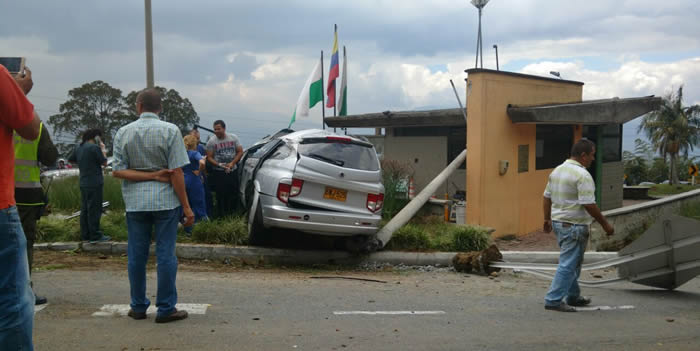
(175, 316)
(579, 301)
(562, 307)
(136, 315)
(40, 300)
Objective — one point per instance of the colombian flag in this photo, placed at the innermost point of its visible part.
(333, 73)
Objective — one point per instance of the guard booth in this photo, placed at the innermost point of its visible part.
(520, 127)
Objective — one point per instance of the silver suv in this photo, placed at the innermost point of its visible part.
(314, 181)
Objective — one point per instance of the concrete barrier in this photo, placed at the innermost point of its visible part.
(635, 219)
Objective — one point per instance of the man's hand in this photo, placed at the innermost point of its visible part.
(547, 226)
(163, 175)
(25, 81)
(189, 216)
(609, 230)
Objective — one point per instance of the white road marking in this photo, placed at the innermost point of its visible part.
(40, 307)
(374, 313)
(122, 310)
(605, 308)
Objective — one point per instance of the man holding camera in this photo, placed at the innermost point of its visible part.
(16, 297)
(90, 158)
(224, 150)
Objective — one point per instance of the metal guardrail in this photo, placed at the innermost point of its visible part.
(666, 256)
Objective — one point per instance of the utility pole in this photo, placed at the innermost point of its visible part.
(496, 47)
(149, 46)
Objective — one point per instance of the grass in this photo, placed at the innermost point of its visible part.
(64, 193)
(55, 229)
(691, 210)
(432, 234)
(668, 189)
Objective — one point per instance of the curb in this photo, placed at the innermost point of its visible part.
(262, 255)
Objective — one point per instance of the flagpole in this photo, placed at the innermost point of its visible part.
(335, 93)
(345, 58)
(323, 97)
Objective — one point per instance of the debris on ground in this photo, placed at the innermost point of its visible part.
(477, 261)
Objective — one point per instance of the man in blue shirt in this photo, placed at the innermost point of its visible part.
(148, 156)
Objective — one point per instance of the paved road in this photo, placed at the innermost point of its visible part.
(285, 309)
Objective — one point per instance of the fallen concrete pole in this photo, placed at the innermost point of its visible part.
(410, 210)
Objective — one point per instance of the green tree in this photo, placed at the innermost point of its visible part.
(176, 110)
(92, 105)
(673, 130)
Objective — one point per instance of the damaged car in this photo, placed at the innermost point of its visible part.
(313, 181)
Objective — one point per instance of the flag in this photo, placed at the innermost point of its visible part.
(333, 72)
(343, 96)
(310, 95)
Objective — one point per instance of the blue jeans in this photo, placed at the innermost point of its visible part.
(140, 226)
(16, 296)
(572, 239)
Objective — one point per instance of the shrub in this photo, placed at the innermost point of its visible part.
(229, 231)
(394, 175)
(54, 229)
(410, 237)
(469, 238)
(113, 223)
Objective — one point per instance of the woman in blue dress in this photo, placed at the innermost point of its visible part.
(193, 180)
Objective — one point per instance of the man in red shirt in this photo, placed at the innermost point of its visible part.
(16, 297)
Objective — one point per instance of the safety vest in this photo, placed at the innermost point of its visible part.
(26, 163)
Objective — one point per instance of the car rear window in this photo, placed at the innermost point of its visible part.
(355, 155)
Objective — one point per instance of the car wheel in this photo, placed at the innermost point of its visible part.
(257, 235)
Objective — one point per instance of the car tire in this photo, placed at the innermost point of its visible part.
(257, 234)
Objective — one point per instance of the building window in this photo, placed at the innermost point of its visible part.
(553, 144)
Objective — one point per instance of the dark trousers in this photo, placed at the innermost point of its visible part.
(29, 215)
(90, 212)
(225, 185)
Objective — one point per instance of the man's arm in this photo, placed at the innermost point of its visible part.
(239, 154)
(178, 182)
(210, 158)
(48, 153)
(16, 112)
(31, 130)
(163, 176)
(594, 211)
(547, 207)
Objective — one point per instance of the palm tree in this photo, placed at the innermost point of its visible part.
(673, 129)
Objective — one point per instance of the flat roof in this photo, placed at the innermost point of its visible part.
(442, 117)
(521, 75)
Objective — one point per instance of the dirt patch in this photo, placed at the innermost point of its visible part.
(535, 241)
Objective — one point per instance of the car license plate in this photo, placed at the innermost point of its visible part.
(335, 194)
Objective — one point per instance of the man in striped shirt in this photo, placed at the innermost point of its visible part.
(569, 209)
(148, 156)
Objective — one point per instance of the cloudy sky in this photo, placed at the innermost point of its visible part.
(246, 61)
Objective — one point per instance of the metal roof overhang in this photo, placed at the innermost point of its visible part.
(444, 117)
(593, 112)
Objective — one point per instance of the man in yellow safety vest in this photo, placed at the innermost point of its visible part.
(29, 194)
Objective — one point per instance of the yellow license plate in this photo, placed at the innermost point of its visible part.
(335, 194)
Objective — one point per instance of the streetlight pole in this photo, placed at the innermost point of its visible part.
(479, 4)
(149, 46)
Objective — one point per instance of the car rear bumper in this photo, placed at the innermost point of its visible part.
(320, 222)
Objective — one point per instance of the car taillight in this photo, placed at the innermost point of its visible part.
(283, 192)
(375, 202)
(338, 139)
(296, 187)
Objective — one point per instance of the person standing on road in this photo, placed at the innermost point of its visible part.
(91, 156)
(569, 208)
(223, 153)
(148, 156)
(29, 194)
(16, 297)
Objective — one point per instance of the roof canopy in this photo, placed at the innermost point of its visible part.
(608, 111)
(445, 117)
